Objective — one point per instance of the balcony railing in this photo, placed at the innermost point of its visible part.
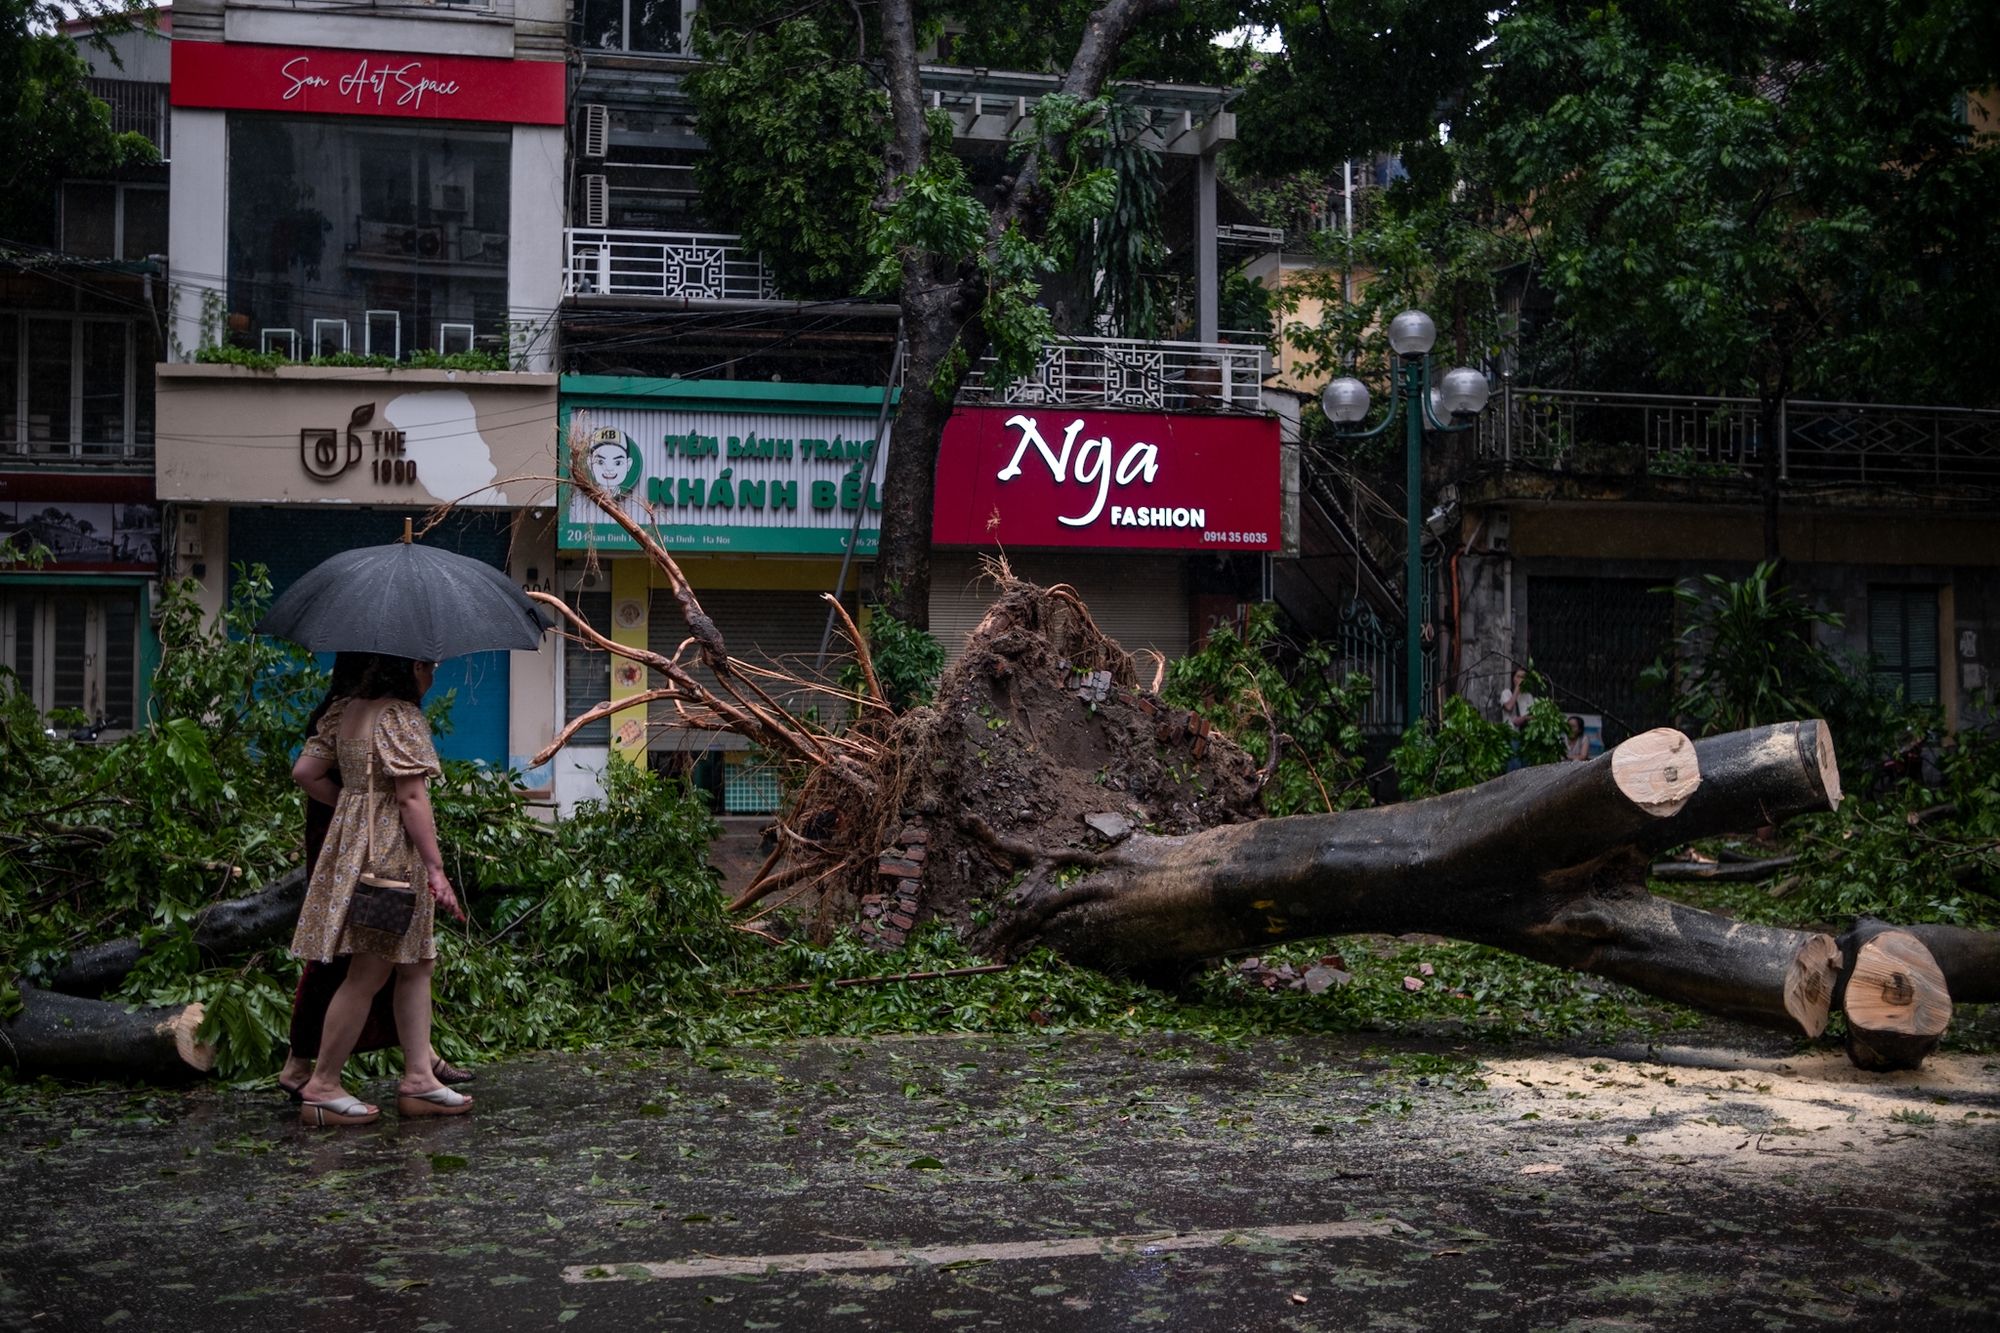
(1114, 372)
(1816, 442)
(696, 266)
(64, 454)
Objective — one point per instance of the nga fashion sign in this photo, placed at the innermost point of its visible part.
(1034, 476)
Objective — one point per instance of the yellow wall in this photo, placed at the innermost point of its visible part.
(1277, 272)
(629, 588)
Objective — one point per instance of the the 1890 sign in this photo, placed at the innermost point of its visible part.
(1034, 476)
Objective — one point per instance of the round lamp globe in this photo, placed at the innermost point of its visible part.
(1464, 392)
(1412, 333)
(1345, 400)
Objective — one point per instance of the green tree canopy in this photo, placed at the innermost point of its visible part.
(1747, 198)
(50, 123)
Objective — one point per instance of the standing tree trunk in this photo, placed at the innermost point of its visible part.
(942, 296)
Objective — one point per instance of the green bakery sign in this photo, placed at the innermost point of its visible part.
(718, 466)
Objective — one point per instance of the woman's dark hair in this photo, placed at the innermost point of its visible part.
(385, 677)
(347, 670)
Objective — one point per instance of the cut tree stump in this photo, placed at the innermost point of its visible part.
(65, 1036)
(1894, 995)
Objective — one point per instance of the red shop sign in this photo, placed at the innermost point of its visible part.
(242, 77)
(1048, 476)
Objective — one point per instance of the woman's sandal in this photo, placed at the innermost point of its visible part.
(340, 1111)
(295, 1091)
(438, 1101)
(448, 1074)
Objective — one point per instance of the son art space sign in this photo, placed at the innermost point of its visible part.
(727, 481)
(1042, 476)
(246, 76)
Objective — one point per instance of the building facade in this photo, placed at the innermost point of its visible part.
(1579, 510)
(365, 265)
(744, 424)
(80, 329)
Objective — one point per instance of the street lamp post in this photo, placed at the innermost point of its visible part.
(1459, 396)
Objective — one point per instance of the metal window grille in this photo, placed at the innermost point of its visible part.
(1591, 638)
(587, 671)
(748, 788)
(1903, 641)
(136, 107)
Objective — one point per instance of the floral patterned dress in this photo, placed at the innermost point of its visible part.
(402, 745)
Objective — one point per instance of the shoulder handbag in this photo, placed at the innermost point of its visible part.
(379, 903)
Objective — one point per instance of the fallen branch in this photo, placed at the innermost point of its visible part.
(875, 981)
(860, 653)
(222, 929)
(1727, 871)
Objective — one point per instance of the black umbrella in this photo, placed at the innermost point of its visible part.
(407, 601)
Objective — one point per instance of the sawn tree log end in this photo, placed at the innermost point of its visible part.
(1895, 998)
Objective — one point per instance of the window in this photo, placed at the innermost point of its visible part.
(109, 220)
(78, 387)
(368, 224)
(136, 108)
(71, 648)
(1903, 640)
(633, 25)
(1591, 638)
(587, 671)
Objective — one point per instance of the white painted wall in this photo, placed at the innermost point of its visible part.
(371, 30)
(197, 224)
(535, 249)
(534, 697)
(579, 775)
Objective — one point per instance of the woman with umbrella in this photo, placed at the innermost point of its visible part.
(392, 612)
(379, 734)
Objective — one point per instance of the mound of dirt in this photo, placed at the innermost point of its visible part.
(1041, 748)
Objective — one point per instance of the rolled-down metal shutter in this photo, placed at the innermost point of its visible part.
(775, 629)
(1139, 600)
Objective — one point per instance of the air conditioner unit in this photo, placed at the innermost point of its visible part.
(596, 201)
(596, 131)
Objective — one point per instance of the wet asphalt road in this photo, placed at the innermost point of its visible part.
(216, 1210)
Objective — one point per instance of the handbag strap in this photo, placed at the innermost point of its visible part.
(368, 814)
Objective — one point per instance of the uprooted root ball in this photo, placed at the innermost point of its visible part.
(1041, 749)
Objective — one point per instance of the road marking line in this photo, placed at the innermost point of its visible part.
(828, 1261)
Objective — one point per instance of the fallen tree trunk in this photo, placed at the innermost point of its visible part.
(1549, 862)
(64, 1036)
(222, 929)
(1013, 799)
